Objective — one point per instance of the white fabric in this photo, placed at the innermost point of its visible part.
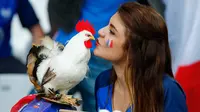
(183, 20)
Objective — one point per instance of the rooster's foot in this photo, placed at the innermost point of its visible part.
(70, 100)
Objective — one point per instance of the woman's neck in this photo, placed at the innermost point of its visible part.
(120, 99)
(119, 69)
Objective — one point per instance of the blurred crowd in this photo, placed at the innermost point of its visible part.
(182, 18)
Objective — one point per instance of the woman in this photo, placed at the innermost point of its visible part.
(64, 14)
(141, 80)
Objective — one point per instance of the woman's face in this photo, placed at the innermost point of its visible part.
(111, 40)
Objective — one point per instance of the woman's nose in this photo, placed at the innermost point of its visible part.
(101, 32)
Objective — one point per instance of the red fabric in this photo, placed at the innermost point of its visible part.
(189, 78)
(22, 102)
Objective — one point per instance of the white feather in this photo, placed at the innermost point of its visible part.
(51, 47)
(70, 66)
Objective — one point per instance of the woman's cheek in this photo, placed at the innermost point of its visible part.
(109, 43)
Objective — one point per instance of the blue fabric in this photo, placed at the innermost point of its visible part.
(44, 106)
(98, 13)
(174, 97)
(7, 10)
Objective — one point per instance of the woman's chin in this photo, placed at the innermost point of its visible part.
(96, 51)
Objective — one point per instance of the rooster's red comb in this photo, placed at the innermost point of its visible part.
(84, 25)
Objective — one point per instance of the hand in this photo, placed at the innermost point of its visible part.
(37, 40)
(37, 34)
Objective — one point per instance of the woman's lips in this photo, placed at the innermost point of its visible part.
(97, 42)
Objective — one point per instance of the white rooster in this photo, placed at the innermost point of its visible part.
(65, 70)
(47, 49)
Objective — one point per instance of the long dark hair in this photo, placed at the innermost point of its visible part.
(148, 56)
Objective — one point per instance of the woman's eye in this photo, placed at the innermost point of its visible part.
(111, 32)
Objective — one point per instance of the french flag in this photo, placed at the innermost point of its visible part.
(109, 43)
(183, 21)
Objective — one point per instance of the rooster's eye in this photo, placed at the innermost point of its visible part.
(88, 35)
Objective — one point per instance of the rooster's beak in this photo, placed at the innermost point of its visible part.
(92, 38)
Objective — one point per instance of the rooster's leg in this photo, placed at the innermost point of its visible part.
(53, 94)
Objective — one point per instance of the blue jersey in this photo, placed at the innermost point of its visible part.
(7, 10)
(174, 97)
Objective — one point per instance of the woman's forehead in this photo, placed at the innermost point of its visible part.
(117, 23)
